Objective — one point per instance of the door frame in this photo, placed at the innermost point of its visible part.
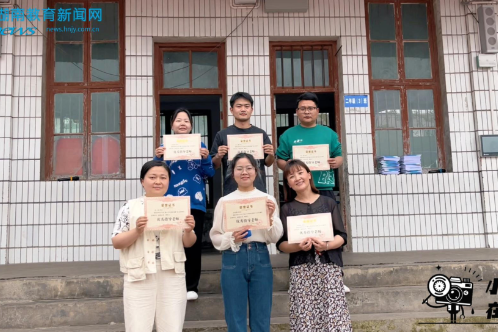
(213, 126)
(159, 48)
(333, 76)
(333, 69)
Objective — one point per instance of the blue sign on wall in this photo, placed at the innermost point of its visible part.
(356, 101)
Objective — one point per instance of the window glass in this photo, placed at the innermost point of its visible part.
(204, 70)
(278, 67)
(288, 76)
(282, 120)
(421, 109)
(326, 67)
(417, 60)
(108, 27)
(424, 142)
(387, 109)
(414, 21)
(176, 70)
(318, 67)
(296, 63)
(105, 112)
(389, 142)
(68, 155)
(291, 64)
(105, 154)
(384, 61)
(105, 62)
(323, 119)
(67, 29)
(68, 113)
(308, 68)
(381, 19)
(69, 62)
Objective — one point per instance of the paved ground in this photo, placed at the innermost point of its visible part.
(410, 322)
(212, 261)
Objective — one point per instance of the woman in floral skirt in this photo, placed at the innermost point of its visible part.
(316, 292)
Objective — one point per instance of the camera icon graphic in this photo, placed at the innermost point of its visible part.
(451, 292)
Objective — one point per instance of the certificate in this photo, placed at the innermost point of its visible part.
(245, 212)
(250, 143)
(166, 212)
(317, 225)
(182, 147)
(314, 156)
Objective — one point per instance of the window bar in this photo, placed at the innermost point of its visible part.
(302, 67)
(323, 67)
(87, 134)
(292, 66)
(312, 68)
(276, 70)
(164, 125)
(206, 132)
(282, 65)
(190, 68)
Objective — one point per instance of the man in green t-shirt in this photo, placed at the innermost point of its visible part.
(308, 132)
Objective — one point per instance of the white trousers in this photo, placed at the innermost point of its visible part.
(161, 296)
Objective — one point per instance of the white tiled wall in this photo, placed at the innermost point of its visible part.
(50, 221)
(433, 211)
(487, 168)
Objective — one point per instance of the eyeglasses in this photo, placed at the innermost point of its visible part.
(304, 109)
(247, 169)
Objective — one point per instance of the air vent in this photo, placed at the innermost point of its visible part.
(286, 6)
(487, 29)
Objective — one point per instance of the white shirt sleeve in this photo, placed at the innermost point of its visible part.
(275, 232)
(221, 240)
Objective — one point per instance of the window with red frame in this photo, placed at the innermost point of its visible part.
(85, 91)
(404, 83)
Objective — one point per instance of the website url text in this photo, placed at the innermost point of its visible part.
(72, 30)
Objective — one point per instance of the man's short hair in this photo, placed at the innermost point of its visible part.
(307, 96)
(239, 95)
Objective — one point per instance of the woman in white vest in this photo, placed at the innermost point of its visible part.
(246, 272)
(153, 262)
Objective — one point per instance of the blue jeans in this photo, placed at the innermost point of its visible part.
(247, 275)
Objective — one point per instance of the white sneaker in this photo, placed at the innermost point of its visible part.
(346, 289)
(191, 296)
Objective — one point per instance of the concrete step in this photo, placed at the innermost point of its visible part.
(110, 284)
(80, 312)
(404, 322)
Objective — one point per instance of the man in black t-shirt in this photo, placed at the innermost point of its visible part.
(241, 106)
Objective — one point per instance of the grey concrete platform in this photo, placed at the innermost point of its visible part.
(403, 322)
(61, 312)
(54, 295)
(212, 262)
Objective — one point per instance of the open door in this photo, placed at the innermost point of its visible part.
(285, 109)
(206, 120)
(192, 76)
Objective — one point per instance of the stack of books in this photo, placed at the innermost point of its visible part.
(411, 164)
(388, 165)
